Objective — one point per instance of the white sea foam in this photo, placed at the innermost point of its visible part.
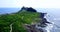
(49, 27)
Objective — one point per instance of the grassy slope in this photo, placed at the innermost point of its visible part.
(18, 19)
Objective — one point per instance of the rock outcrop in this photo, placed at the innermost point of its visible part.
(38, 26)
(30, 9)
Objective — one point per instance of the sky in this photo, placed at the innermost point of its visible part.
(31, 3)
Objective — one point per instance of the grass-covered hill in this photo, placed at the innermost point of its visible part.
(14, 22)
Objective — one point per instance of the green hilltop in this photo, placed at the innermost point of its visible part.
(14, 22)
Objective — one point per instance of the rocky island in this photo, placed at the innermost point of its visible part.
(25, 20)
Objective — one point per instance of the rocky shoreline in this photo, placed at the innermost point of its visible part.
(36, 27)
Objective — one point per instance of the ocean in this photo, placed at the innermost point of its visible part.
(8, 10)
(53, 16)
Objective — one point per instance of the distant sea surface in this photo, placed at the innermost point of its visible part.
(8, 10)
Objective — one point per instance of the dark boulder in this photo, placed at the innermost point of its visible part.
(23, 8)
(42, 15)
(45, 21)
(30, 9)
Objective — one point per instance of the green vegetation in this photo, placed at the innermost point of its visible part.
(17, 20)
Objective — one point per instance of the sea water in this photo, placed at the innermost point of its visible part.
(53, 16)
(8, 10)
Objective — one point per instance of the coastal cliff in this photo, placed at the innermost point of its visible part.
(25, 20)
(40, 23)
